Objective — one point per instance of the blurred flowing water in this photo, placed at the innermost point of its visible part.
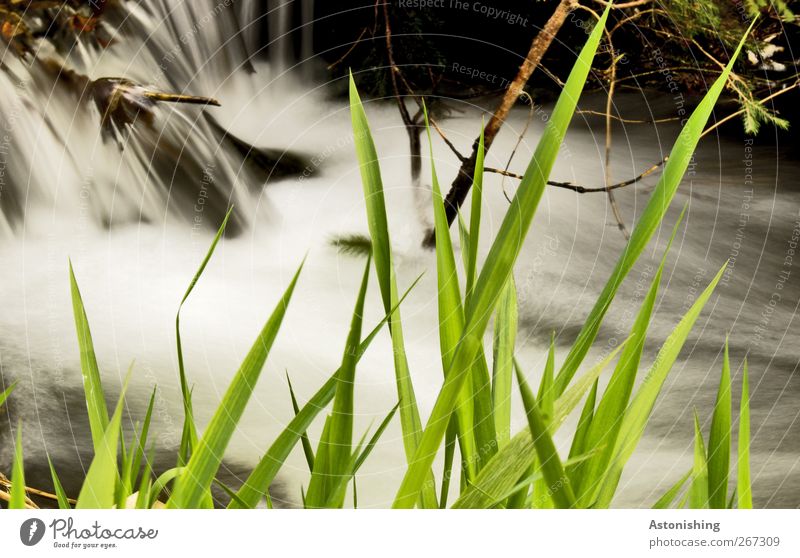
(137, 221)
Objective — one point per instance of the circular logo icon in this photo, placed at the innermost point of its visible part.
(31, 531)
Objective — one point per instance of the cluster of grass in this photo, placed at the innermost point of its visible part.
(473, 408)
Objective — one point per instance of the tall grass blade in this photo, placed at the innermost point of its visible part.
(505, 338)
(660, 199)
(322, 482)
(585, 422)
(496, 271)
(131, 472)
(475, 216)
(162, 482)
(451, 315)
(17, 496)
(189, 434)
(381, 251)
(552, 469)
(230, 493)
(99, 486)
(61, 496)
(145, 482)
(483, 412)
(670, 495)
(362, 457)
(743, 486)
(546, 397)
(546, 394)
(719, 439)
(6, 393)
(193, 485)
(480, 387)
(449, 454)
(308, 451)
(92, 386)
(339, 441)
(698, 491)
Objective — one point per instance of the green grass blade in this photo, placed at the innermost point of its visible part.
(648, 223)
(362, 457)
(381, 251)
(449, 454)
(670, 495)
(732, 500)
(743, 484)
(162, 482)
(99, 486)
(231, 494)
(698, 490)
(505, 336)
(475, 216)
(479, 390)
(719, 439)
(496, 271)
(552, 469)
(638, 412)
(546, 395)
(373, 194)
(322, 483)
(17, 497)
(308, 451)
(335, 449)
(451, 315)
(61, 496)
(145, 483)
(257, 484)
(92, 386)
(578, 446)
(189, 434)
(141, 442)
(194, 483)
(6, 393)
(483, 412)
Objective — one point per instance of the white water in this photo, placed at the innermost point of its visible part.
(133, 274)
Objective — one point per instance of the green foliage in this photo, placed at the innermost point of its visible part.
(757, 7)
(93, 388)
(382, 253)
(335, 460)
(17, 498)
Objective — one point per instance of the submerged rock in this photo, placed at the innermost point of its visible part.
(265, 162)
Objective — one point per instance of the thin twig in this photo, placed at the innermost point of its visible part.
(34, 491)
(631, 4)
(349, 50)
(4, 496)
(655, 166)
(519, 141)
(612, 81)
(628, 120)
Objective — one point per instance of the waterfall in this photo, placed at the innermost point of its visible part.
(54, 144)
